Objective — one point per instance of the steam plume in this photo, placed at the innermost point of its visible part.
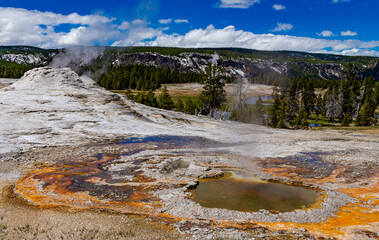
(76, 57)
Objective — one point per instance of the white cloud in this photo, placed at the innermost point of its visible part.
(336, 1)
(165, 21)
(24, 27)
(124, 25)
(181, 21)
(282, 27)
(137, 37)
(237, 3)
(139, 22)
(348, 33)
(279, 7)
(230, 37)
(326, 33)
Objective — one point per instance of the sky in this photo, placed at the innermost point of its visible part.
(348, 27)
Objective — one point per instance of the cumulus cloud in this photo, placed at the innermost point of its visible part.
(181, 21)
(165, 21)
(326, 33)
(139, 22)
(24, 27)
(279, 7)
(282, 27)
(40, 29)
(137, 37)
(348, 33)
(336, 1)
(237, 3)
(230, 37)
(124, 25)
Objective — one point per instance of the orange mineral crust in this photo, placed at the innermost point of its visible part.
(87, 185)
(360, 216)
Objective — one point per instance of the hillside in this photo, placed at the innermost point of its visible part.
(16, 60)
(258, 66)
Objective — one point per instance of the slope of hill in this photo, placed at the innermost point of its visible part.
(16, 60)
(258, 66)
(253, 64)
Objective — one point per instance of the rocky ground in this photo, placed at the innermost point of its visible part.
(60, 165)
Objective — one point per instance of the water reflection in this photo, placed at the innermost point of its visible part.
(246, 194)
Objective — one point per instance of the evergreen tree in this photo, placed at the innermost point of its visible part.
(319, 106)
(165, 100)
(346, 120)
(189, 106)
(142, 77)
(213, 94)
(179, 106)
(301, 119)
(259, 111)
(293, 98)
(274, 111)
(308, 96)
(151, 99)
(141, 97)
(282, 118)
(129, 94)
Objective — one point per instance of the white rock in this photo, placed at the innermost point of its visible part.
(51, 107)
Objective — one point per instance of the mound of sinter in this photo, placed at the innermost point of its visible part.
(50, 107)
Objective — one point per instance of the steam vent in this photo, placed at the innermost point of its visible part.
(72, 150)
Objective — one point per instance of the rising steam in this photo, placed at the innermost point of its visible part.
(76, 57)
(215, 58)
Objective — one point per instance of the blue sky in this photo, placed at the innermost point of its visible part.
(347, 27)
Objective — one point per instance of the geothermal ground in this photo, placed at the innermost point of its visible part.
(79, 162)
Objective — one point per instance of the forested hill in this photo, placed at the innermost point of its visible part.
(16, 60)
(184, 64)
(258, 66)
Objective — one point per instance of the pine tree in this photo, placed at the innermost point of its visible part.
(346, 120)
(259, 111)
(308, 96)
(189, 106)
(141, 97)
(179, 106)
(301, 119)
(151, 99)
(213, 94)
(318, 106)
(293, 98)
(165, 100)
(274, 111)
(129, 94)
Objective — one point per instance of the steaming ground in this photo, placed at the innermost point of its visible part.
(50, 108)
(56, 107)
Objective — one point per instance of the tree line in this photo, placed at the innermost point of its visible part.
(211, 97)
(351, 100)
(13, 72)
(142, 77)
(274, 78)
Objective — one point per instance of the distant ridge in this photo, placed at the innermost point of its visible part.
(252, 63)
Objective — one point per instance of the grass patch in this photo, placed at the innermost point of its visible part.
(312, 119)
(364, 130)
